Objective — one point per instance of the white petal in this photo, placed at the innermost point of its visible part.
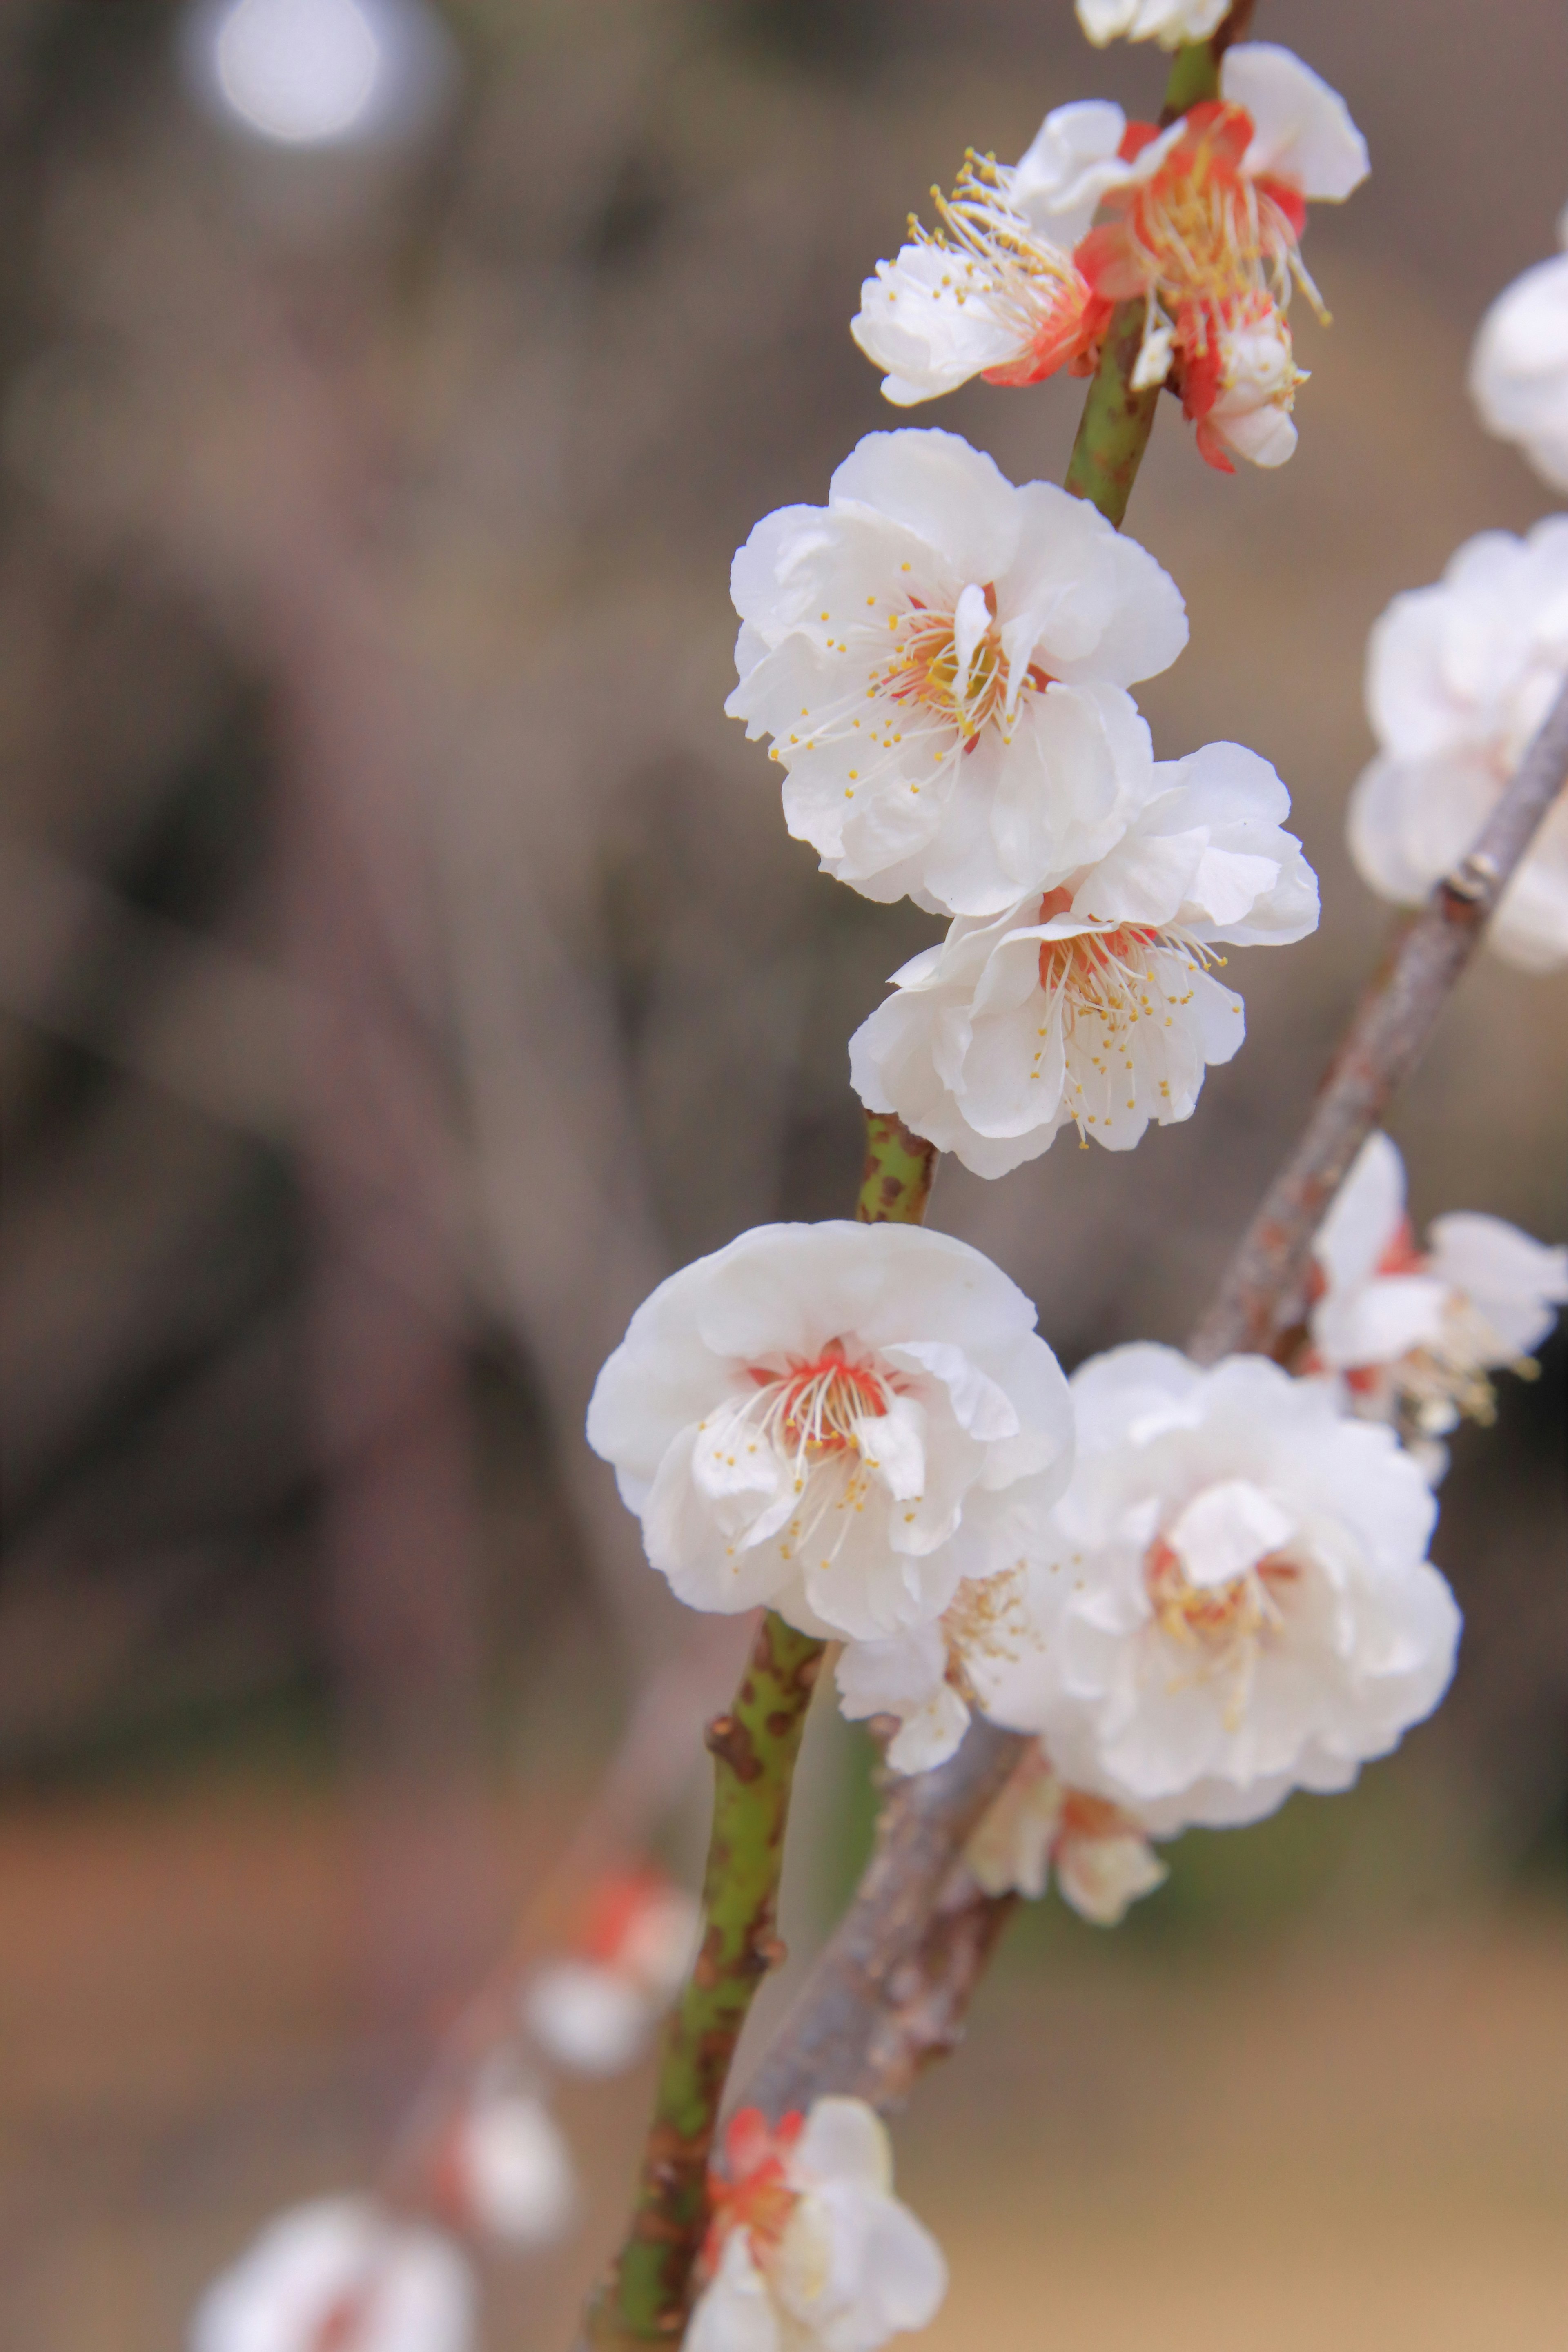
(1303, 130)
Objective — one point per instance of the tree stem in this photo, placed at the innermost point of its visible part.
(754, 1747)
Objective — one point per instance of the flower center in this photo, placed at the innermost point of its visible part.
(753, 2193)
(1225, 1624)
(1028, 284)
(950, 666)
(815, 1406)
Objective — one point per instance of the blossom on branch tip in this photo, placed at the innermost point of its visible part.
(1204, 229)
(809, 2250)
(1237, 1601)
(1169, 22)
(595, 2008)
(1459, 677)
(1410, 1336)
(340, 2275)
(943, 660)
(1518, 369)
(1102, 1853)
(1092, 1004)
(840, 1421)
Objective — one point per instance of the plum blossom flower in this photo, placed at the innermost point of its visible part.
(595, 2008)
(1206, 229)
(840, 1421)
(941, 660)
(809, 2250)
(506, 2168)
(1518, 369)
(1237, 1601)
(995, 290)
(1102, 1853)
(1092, 1004)
(340, 2276)
(1410, 1335)
(1459, 677)
(1169, 22)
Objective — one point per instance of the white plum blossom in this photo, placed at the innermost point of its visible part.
(1238, 1601)
(943, 660)
(995, 290)
(1102, 1853)
(1411, 1335)
(594, 2008)
(1459, 677)
(840, 1421)
(1205, 227)
(507, 2167)
(340, 2275)
(1169, 22)
(1518, 369)
(1092, 1004)
(809, 2250)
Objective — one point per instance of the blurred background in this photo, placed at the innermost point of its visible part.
(403, 966)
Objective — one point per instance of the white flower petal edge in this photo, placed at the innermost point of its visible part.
(1459, 677)
(1303, 135)
(1090, 1004)
(941, 660)
(1238, 1601)
(1411, 1335)
(809, 2247)
(1518, 369)
(341, 2268)
(1169, 22)
(840, 1421)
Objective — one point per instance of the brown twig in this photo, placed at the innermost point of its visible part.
(891, 1989)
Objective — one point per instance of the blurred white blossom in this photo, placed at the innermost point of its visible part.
(340, 2275)
(808, 2246)
(941, 660)
(1238, 1602)
(1411, 1334)
(1102, 1853)
(1169, 22)
(595, 2008)
(836, 1421)
(1459, 677)
(1519, 370)
(1092, 1004)
(507, 2168)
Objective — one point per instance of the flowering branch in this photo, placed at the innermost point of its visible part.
(754, 1748)
(1261, 1290)
(893, 1985)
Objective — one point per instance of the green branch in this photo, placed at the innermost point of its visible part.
(754, 1748)
(899, 1170)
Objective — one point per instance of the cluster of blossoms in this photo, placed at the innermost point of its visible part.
(944, 663)
(1200, 223)
(348, 2274)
